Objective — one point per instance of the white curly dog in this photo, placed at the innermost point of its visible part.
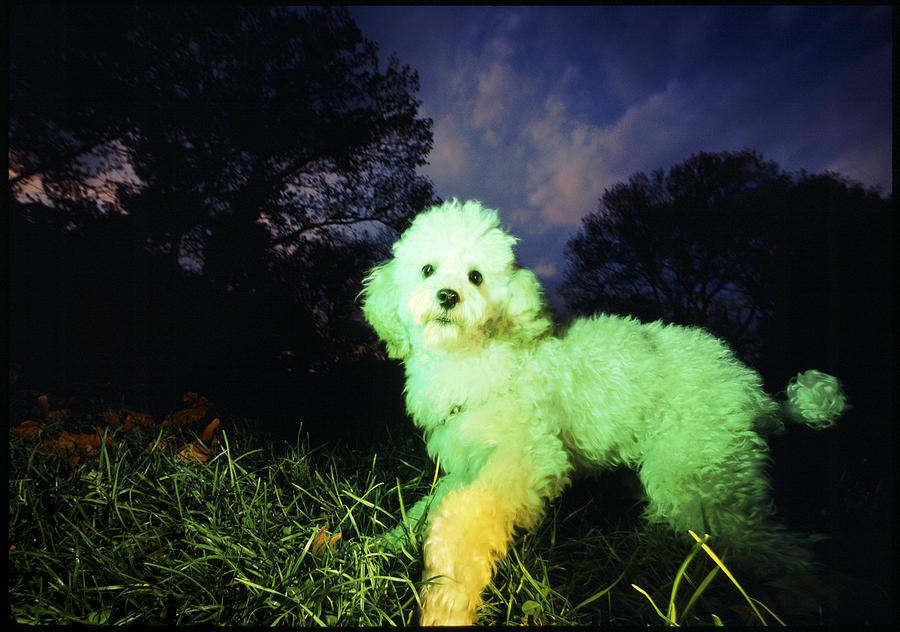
(509, 408)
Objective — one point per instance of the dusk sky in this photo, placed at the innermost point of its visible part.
(537, 110)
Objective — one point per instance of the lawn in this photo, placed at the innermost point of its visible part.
(117, 518)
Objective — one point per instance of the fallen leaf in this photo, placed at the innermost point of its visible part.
(42, 407)
(133, 419)
(322, 541)
(194, 452)
(158, 445)
(183, 417)
(57, 415)
(199, 406)
(28, 429)
(76, 446)
(110, 418)
(197, 400)
(207, 433)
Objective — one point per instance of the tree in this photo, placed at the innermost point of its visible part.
(832, 279)
(705, 244)
(265, 151)
(229, 117)
(690, 246)
(65, 97)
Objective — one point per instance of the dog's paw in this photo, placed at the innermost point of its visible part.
(446, 602)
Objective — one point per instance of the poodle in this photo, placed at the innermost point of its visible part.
(510, 408)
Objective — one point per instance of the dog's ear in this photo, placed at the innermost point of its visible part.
(381, 299)
(525, 310)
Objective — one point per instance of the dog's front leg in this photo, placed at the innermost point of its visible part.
(468, 533)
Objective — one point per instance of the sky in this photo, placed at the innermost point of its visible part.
(536, 110)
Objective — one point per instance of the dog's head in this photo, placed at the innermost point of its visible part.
(453, 284)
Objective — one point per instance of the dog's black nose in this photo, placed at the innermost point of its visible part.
(447, 298)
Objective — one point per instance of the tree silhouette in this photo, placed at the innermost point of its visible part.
(65, 101)
(230, 117)
(704, 244)
(832, 282)
(250, 162)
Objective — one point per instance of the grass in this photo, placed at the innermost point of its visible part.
(258, 532)
(140, 536)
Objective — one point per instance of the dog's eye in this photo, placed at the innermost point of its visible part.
(475, 277)
(427, 270)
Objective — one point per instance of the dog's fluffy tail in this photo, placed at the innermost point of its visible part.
(815, 399)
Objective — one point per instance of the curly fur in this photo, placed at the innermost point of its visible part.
(510, 408)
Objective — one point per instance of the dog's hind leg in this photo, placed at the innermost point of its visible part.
(725, 493)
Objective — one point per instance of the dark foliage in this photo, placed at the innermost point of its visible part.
(196, 191)
(725, 241)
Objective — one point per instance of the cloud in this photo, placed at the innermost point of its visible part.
(519, 135)
(575, 160)
(502, 42)
(868, 162)
(538, 110)
(536, 118)
(451, 151)
(493, 134)
(545, 268)
(566, 158)
(494, 87)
